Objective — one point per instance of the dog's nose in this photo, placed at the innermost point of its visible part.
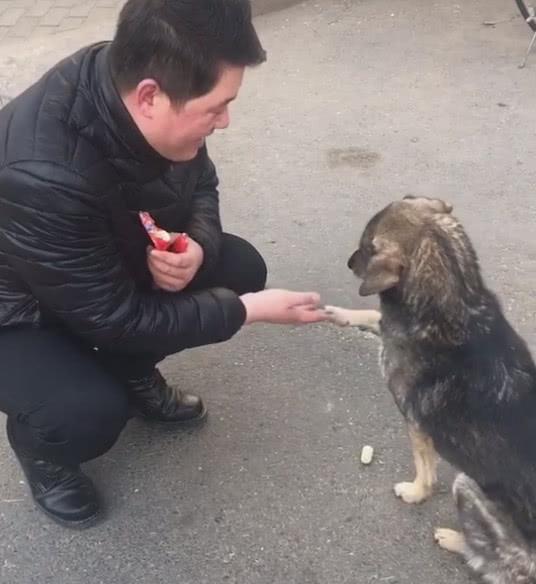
(351, 261)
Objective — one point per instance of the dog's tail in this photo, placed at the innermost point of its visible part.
(494, 547)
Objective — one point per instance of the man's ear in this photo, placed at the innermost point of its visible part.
(148, 95)
(382, 273)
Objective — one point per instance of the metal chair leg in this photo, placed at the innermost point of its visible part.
(531, 18)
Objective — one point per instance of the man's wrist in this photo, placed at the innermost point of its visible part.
(246, 300)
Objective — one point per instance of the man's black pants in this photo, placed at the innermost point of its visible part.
(66, 405)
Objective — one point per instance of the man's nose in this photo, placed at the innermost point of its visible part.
(223, 120)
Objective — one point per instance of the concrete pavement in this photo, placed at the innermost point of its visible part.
(359, 103)
(28, 19)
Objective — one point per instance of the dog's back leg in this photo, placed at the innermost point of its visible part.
(491, 544)
(451, 540)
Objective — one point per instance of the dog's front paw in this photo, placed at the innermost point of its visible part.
(450, 540)
(337, 315)
(412, 492)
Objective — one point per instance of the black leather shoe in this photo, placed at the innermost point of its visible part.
(64, 493)
(157, 401)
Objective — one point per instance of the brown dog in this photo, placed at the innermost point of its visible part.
(461, 376)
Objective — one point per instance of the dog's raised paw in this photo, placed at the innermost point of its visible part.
(450, 540)
(337, 315)
(411, 492)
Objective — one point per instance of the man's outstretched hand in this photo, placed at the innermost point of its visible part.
(283, 307)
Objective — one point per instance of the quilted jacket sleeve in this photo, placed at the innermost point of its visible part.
(57, 238)
(205, 224)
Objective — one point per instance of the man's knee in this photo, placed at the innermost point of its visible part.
(243, 266)
(79, 429)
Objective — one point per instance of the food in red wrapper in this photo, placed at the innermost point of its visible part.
(180, 243)
(162, 239)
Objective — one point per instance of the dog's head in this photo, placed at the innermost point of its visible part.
(389, 240)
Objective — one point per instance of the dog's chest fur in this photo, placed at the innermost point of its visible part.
(413, 373)
(399, 367)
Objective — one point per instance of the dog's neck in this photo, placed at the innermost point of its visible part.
(441, 297)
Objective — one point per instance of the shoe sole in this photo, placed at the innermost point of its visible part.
(190, 422)
(77, 525)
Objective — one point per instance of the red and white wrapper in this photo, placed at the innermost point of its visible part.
(162, 239)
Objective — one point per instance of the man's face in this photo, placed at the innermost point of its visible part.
(178, 131)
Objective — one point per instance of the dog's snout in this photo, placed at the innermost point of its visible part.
(353, 260)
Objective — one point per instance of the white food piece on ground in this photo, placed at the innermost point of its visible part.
(366, 454)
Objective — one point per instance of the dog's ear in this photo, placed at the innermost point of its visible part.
(382, 272)
(429, 204)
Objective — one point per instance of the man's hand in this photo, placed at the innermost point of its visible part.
(174, 271)
(283, 307)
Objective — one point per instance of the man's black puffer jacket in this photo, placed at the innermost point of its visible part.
(74, 172)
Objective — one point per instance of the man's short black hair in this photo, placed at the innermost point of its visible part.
(182, 44)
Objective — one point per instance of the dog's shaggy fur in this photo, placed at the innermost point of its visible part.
(461, 376)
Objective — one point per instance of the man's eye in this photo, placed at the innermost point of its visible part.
(217, 111)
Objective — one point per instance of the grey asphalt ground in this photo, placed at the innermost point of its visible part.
(360, 103)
